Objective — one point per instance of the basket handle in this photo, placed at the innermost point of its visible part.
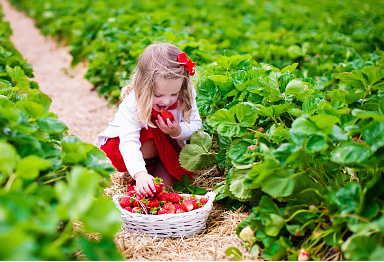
(211, 197)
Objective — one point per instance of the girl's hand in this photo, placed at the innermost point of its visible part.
(171, 128)
(145, 186)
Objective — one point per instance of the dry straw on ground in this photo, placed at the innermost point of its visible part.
(209, 244)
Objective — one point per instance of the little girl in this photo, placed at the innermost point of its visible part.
(138, 140)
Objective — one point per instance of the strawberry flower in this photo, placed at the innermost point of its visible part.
(183, 59)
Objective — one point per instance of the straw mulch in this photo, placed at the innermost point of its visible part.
(209, 244)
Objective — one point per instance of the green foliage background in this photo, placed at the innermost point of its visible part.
(291, 93)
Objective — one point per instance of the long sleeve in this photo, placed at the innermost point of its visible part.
(128, 130)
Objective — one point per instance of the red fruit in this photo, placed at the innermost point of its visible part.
(163, 211)
(159, 195)
(166, 114)
(194, 201)
(204, 200)
(126, 202)
(187, 205)
(179, 209)
(153, 202)
(158, 185)
(129, 209)
(163, 197)
(170, 207)
(137, 200)
(174, 198)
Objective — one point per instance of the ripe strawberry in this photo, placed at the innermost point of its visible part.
(174, 198)
(204, 200)
(163, 211)
(125, 202)
(136, 201)
(187, 205)
(170, 207)
(129, 209)
(178, 207)
(194, 202)
(163, 197)
(159, 195)
(166, 114)
(158, 185)
(153, 202)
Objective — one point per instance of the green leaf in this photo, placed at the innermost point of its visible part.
(316, 142)
(30, 166)
(303, 125)
(354, 78)
(5, 86)
(375, 75)
(294, 51)
(325, 122)
(373, 134)
(9, 110)
(76, 196)
(8, 157)
(367, 114)
(274, 224)
(31, 108)
(235, 183)
(235, 252)
(96, 213)
(289, 69)
(358, 248)
(246, 114)
(298, 89)
(350, 153)
(51, 125)
(196, 155)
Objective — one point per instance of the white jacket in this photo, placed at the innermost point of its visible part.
(128, 130)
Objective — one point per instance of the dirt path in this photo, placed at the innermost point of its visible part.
(85, 113)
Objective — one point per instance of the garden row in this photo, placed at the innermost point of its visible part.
(51, 184)
(325, 37)
(310, 162)
(295, 122)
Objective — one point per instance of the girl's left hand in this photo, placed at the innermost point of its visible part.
(171, 128)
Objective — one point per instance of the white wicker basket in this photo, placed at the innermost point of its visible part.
(167, 225)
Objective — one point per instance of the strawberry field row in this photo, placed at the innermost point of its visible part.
(325, 37)
(50, 183)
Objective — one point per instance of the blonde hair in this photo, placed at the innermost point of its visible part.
(158, 61)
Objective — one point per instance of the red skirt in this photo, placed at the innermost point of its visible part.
(168, 151)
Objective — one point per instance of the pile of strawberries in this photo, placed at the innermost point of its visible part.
(161, 203)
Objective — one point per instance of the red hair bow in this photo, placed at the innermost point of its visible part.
(183, 59)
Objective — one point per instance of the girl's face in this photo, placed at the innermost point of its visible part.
(166, 93)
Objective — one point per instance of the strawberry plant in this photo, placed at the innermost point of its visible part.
(49, 181)
(111, 36)
(304, 159)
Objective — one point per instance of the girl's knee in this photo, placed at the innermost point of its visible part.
(148, 149)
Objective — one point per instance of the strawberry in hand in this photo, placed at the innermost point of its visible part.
(158, 186)
(165, 115)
